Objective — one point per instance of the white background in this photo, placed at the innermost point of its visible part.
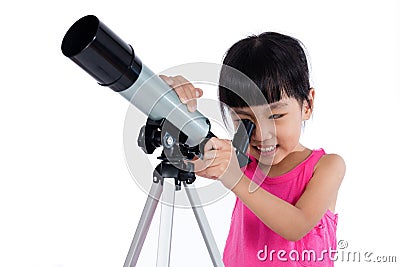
(66, 195)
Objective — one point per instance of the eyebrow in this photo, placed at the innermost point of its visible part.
(275, 105)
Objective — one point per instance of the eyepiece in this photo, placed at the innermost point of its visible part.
(101, 53)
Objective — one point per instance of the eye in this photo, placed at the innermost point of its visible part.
(276, 116)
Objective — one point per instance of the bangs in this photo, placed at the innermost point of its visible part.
(251, 88)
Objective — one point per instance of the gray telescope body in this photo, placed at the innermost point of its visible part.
(113, 63)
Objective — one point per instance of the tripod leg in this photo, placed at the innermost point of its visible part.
(204, 226)
(166, 221)
(144, 224)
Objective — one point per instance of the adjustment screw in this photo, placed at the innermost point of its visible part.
(169, 140)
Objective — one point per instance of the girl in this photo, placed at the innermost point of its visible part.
(289, 219)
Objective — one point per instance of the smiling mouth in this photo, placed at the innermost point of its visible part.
(266, 149)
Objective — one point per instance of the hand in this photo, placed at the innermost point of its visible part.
(186, 92)
(219, 162)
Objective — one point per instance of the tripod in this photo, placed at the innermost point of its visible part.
(172, 166)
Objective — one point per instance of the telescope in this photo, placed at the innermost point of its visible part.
(114, 64)
(182, 134)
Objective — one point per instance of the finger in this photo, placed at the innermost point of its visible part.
(203, 174)
(220, 159)
(187, 93)
(189, 88)
(181, 92)
(199, 92)
(190, 91)
(177, 84)
(167, 79)
(214, 172)
(210, 145)
(210, 155)
(199, 165)
(202, 165)
(217, 144)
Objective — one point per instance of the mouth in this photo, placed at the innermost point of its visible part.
(266, 150)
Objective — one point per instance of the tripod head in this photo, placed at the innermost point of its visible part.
(176, 152)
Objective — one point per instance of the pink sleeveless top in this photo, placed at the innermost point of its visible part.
(251, 243)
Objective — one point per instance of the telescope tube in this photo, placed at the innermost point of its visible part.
(113, 63)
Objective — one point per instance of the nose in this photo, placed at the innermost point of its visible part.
(264, 131)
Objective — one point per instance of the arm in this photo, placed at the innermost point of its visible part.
(293, 222)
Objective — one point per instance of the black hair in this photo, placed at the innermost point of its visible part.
(275, 63)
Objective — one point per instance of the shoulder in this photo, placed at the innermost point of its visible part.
(332, 164)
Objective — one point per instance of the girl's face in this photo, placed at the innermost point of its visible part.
(278, 128)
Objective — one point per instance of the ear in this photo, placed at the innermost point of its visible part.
(309, 106)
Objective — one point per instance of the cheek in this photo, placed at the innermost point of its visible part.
(288, 132)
